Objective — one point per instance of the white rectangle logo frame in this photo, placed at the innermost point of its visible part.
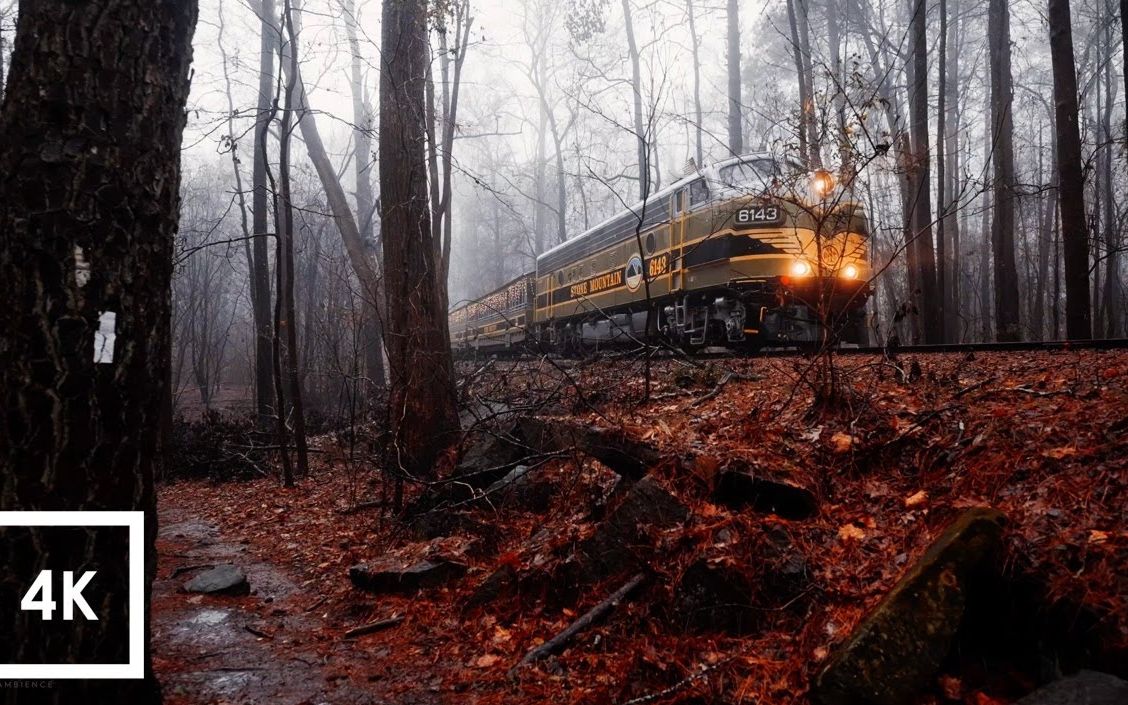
(135, 668)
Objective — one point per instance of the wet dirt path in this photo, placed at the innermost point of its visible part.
(271, 646)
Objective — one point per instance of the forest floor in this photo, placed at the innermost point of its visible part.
(905, 446)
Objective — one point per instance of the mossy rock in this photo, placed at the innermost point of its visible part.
(904, 639)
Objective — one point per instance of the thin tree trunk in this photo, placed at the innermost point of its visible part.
(636, 87)
(371, 338)
(942, 256)
(1075, 240)
(735, 131)
(930, 305)
(260, 207)
(1002, 127)
(289, 324)
(695, 44)
(952, 227)
(422, 409)
(79, 434)
(804, 89)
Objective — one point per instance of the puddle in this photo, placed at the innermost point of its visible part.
(210, 617)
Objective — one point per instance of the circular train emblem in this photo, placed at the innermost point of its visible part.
(632, 275)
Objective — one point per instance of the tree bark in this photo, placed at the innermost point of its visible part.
(805, 138)
(735, 131)
(260, 217)
(422, 410)
(1002, 126)
(92, 124)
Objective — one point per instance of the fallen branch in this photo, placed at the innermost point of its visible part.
(715, 391)
(558, 642)
(372, 627)
(360, 507)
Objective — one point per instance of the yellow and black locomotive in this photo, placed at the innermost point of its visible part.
(750, 251)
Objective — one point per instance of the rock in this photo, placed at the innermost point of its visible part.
(621, 541)
(901, 643)
(1084, 688)
(522, 488)
(220, 580)
(613, 447)
(489, 455)
(497, 585)
(739, 488)
(405, 580)
(714, 595)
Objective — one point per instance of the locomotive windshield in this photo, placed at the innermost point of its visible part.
(755, 174)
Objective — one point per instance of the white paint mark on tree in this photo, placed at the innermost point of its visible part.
(104, 337)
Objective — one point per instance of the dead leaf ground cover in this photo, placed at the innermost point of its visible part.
(1041, 436)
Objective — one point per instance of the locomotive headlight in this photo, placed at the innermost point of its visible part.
(850, 271)
(800, 268)
(822, 183)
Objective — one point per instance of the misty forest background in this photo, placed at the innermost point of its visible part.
(548, 117)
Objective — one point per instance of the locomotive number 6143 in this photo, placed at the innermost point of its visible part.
(758, 215)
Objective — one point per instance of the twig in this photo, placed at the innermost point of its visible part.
(258, 632)
(558, 642)
(676, 686)
(972, 388)
(372, 627)
(317, 604)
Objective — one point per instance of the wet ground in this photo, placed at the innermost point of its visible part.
(266, 647)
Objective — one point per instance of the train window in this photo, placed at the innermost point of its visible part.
(650, 243)
(560, 279)
(698, 192)
(680, 206)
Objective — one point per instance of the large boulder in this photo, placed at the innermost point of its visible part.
(220, 580)
(490, 454)
(614, 447)
(744, 487)
(1084, 688)
(901, 643)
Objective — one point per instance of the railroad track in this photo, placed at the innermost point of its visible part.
(712, 353)
(1025, 346)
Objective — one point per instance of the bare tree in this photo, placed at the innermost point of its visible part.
(1071, 183)
(636, 89)
(79, 425)
(735, 127)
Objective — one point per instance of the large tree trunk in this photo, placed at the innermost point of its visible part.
(260, 209)
(930, 305)
(636, 88)
(735, 133)
(1002, 130)
(1071, 182)
(92, 124)
(422, 409)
